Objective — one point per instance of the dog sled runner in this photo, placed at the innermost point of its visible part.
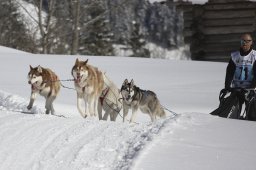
(228, 107)
(251, 109)
(231, 104)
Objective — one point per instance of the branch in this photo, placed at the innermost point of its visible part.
(26, 11)
(101, 15)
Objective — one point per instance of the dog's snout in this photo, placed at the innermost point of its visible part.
(78, 75)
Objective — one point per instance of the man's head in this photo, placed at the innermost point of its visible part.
(246, 42)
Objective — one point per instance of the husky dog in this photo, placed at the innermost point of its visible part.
(89, 86)
(109, 100)
(46, 83)
(145, 100)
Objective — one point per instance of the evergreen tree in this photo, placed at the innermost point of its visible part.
(137, 42)
(64, 22)
(97, 38)
(12, 30)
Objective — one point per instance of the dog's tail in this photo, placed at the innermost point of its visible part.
(161, 112)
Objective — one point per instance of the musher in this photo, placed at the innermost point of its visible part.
(240, 81)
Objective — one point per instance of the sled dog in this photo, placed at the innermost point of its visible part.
(145, 100)
(88, 81)
(109, 100)
(45, 82)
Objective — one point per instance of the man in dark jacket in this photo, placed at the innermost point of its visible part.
(240, 75)
(240, 70)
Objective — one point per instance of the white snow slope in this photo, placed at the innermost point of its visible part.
(193, 140)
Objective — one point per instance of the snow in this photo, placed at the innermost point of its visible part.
(180, 53)
(197, 141)
(191, 140)
(193, 1)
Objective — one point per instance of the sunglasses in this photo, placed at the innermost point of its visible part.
(245, 41)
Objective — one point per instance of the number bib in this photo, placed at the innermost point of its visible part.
(244, 73)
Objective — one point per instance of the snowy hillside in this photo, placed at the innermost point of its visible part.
(193, 140)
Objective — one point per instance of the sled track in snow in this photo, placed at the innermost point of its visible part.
(41, 142)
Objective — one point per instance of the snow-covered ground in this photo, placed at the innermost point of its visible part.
(193, 1)
(193, 140)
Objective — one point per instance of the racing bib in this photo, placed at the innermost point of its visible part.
(244, 72)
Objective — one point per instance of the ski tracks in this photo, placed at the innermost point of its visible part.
(40, 142)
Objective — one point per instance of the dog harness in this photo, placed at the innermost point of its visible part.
(103, 95)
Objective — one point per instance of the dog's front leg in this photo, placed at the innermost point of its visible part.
(80, 99)
(125, 111)
(113, 111)
(113, 114)
(95, 105)
(87, 105)
(134, 114)
(49, 105)
(90, 106)
(152, 116)
(32, 99)
(107, 112)
(100, 109)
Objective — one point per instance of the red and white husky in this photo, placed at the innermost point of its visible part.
(89, 86)
(46, 83)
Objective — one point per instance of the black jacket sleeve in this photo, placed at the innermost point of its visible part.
(230, 71)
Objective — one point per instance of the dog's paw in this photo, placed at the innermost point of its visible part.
(29, 107)
(47, 112)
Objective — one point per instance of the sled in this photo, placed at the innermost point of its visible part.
(251, 108)
(229, 106)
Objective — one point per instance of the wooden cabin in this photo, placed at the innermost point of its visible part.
(213, 30)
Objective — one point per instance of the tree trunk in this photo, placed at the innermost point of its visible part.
(76, 28)
(45, 26)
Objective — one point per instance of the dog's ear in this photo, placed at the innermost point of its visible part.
(30, 67)
(77, 61)
(86, 62)
(125, 82)
(39, 69)
(132, 82)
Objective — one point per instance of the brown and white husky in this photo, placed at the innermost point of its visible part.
(89, 86)
(46, 83)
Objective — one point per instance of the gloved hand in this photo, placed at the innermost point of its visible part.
(249, 94)
(223, 93)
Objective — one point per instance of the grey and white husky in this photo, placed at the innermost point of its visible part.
(145, 100)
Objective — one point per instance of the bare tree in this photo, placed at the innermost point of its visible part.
(65, 26)
(44, 20)
(46, 24)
